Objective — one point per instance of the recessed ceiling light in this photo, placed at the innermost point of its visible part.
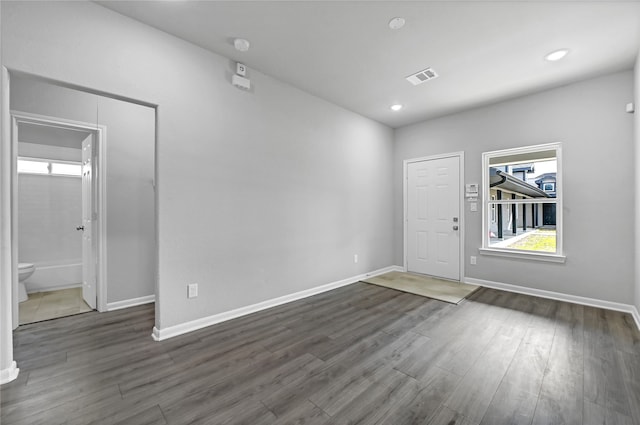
(396, 23)
(396, 107)
(557, 55)
(241, 44)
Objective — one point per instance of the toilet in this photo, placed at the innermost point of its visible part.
(24, 271)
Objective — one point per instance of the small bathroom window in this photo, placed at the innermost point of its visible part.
(53, 168)
(65, 169)
(33, 167)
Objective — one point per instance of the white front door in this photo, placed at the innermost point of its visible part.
(88, 262)
(433, 217)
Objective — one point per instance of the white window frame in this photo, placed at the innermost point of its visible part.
(487, 203)
(50, 163)
(494, 213)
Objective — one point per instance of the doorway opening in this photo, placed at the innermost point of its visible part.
(59, 216)
(126, 192)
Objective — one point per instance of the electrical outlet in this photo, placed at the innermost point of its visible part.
(355, 258)
(473, 260)
(192, 290)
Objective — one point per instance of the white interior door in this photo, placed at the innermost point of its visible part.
(433, 217)
(89, 292)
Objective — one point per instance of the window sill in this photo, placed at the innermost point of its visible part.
(535, 256)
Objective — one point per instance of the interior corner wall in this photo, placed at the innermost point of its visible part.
(596, 133)
(261, 193)
(637, 179)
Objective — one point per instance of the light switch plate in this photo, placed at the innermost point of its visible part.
(192, 290)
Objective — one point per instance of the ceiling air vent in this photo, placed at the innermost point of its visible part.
(422, 76)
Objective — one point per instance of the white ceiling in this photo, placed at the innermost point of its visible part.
(52, 136)
(344, 51)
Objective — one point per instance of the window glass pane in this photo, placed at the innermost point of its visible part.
(66, 169)
(523, 227)
(536, 179)
(33, 167)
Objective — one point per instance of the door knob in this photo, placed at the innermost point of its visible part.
(80, 228)
(455, 227)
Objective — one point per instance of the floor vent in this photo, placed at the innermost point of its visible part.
(422, 76)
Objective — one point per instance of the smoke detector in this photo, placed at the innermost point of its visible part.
(396, 23)
(241, 44)
(422, 76)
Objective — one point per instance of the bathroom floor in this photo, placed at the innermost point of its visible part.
(51, 305)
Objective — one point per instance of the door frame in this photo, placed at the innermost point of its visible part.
(100, 133)
(405, 200)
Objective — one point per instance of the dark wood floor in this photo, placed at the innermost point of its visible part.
(361, 354)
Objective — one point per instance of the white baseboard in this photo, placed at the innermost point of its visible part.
(117, 305)
(574, 299)
(9, 374)
(387, 270)
(171, 331)
(636, 316)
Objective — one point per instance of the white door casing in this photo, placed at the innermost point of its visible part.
(89, 291)
(433, 218)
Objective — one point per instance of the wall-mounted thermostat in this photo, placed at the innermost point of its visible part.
(630, 108)
(471, 190)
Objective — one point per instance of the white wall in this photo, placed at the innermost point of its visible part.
(260, 194)
(49, 209)
(637, 181)
(589, 119)
(130, 171)
(8, 369)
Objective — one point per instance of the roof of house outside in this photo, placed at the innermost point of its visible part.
(500, 179)
(546, 176)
